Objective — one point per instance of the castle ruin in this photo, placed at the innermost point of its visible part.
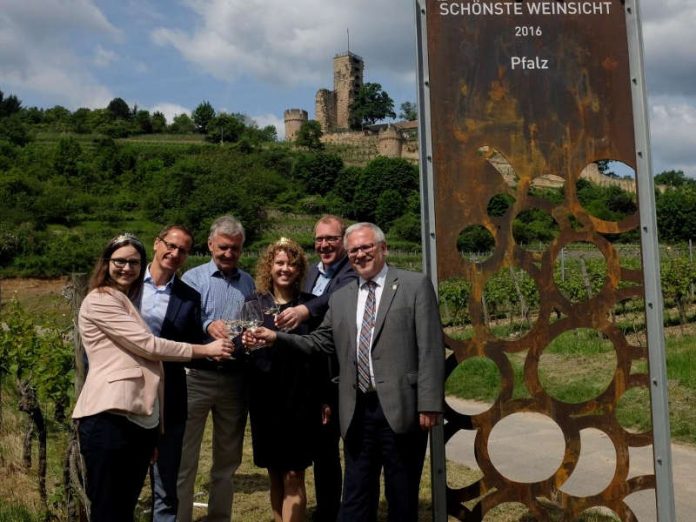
(394, 140)
(332, 111)
(332, 108)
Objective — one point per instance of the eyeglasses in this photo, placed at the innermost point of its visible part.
(171, 247)
(365, 249)
(121, 263)
(329, 239)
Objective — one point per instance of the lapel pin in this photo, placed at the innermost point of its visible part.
(394, 286)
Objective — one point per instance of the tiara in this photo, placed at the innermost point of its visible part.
(126, 237)
(284, 241)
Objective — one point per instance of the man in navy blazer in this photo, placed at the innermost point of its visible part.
(331, 273)
(385, 329)
(172, 309)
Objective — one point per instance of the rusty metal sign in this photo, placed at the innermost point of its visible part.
(516, 94)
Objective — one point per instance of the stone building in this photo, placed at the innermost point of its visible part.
(294, 118)
(332, 108)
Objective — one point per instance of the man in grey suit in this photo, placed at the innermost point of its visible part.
(385, 330)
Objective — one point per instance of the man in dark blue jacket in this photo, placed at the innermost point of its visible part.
(331, 273)
(172, 310)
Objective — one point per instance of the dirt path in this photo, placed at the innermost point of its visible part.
(22, 288)
(543, 445)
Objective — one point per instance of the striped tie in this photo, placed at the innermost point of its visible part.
(368, 324)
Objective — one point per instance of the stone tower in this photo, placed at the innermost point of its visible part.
(333, 107)
(348, 78)
(294, 118)
(389, 142)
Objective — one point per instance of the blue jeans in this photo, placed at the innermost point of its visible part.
(164, 473)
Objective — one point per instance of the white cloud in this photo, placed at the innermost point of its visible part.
(103, 57)
(264, 120)
(673, 140)
(291, 42)
(37, 54)
(669, 46)
(169, 110)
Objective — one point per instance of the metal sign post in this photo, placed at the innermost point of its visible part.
(662, 453)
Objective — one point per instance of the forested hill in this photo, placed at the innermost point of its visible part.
(71, 180)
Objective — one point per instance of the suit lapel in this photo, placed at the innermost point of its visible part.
(352, 302)
(172, 308)
(311, 279)
(391, 286)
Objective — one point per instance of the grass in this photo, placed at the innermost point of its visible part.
(19, 499)
(579, 365)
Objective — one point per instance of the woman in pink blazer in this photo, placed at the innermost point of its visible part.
(119, 408)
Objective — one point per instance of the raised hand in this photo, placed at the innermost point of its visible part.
(290, 318)
(217, 329)
(217, 350)
(258, 338)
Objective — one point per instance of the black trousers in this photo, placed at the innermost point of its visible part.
(327, 468)
(117, 453)
(371, 445)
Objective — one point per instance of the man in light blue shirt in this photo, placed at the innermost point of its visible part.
(217, 387)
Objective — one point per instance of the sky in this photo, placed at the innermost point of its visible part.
(260, 57)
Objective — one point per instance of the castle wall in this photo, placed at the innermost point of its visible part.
(357, 148)
(325, 110)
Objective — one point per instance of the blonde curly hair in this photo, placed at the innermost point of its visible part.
(296, 256)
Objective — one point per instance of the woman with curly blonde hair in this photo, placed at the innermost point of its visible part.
(284, 403)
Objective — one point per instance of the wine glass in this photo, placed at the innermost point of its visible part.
(271, 308)
(252, 315)
(234, 327)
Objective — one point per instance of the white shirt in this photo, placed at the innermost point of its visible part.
(379, 280)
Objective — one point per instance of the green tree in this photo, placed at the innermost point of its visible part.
(409, 111)
(159, 122)
(269, 133)
(390, 206)
(10, 105)
(676, 214)
(673, 178)
(203, 116)
(225, 128)
(13, 130)
(475, 239)
(66, 160)
(407, 227)
(119, 109)
(318, 171)
(380, 175)
(58, 117)
(81, 120)
(143, 122)
(309, 135)
(678, 276)
(182, 124)
(371, 104)
(33, 115)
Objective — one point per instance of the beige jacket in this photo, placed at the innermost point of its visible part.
(125, 373)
